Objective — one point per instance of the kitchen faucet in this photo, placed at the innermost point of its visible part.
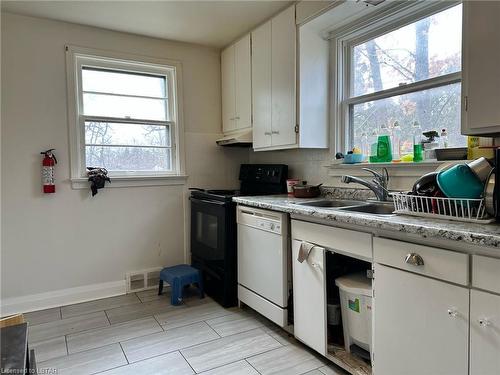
(378, 185)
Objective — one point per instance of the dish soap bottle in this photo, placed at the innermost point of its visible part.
(396, 141)
(417, 145)
(384, 148)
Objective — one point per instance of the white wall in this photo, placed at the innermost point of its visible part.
(69, 240)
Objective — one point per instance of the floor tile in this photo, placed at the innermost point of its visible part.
(43, 316)
(234, 323)
(171, 363)
(280, 335)
(193, 314)
(114, 333)
(67, 326)
(164, 342)
(229, 349)
(48, 349)
(332, 370)
(99, 305)
(287, 360)
(140, 310)
(236, 368)
(88, 362)
(189, 294)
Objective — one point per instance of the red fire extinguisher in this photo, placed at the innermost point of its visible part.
(48, 163)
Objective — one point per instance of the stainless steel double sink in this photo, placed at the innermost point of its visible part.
(374, 208)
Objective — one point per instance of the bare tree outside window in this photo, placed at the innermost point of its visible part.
(426, 49)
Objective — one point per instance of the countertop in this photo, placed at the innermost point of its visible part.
(468, 233)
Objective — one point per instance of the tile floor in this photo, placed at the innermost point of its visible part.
(142, 333)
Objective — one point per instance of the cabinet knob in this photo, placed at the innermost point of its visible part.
(414, 259)
(452, 313)
(483, 322)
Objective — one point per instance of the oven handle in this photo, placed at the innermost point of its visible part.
(196, 200)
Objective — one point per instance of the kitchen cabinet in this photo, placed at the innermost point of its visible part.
(420, 324)
(309, 298)
(236, 86)
(273, 82)
(484, 333)
(480, 78)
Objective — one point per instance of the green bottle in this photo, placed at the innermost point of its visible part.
(384, 149)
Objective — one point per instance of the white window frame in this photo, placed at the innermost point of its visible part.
(390, 18)
(78, 57)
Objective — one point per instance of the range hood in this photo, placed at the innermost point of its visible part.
(240, 139)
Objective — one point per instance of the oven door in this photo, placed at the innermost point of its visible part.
(208, 232)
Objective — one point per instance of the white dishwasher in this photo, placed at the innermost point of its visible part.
(264, 262)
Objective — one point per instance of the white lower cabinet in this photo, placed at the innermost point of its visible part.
(309, 298)
(420, 325)
(484, 333)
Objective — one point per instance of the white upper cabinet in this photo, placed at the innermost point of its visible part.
(273, 82)
(283, 75)
(480, 78)
(228, 90)
(236, 86)
(261, 85)
(277, 85)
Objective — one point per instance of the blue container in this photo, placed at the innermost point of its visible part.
(460, 182)
(353, 158)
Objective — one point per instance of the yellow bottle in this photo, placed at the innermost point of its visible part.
(472, 142)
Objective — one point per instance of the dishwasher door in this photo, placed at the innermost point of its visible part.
(263, 254)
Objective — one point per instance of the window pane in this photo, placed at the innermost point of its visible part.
(425, 49)
(129, 158)
(433, 109)
(108, 133)
(116, 82)
(124, 107)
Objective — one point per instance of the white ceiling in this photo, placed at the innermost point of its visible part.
(212, 23)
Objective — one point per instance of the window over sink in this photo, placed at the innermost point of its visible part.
(404, 68)
(124, 115)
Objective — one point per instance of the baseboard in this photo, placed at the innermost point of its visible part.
(61, 297)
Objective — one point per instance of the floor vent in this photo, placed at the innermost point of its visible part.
(142, 280)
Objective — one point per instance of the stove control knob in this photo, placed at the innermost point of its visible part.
(271, 226)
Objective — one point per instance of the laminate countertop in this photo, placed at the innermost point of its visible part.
(484, 235)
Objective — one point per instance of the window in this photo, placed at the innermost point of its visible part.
(406, 69)
(125, 116)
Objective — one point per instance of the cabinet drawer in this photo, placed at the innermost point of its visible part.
(343, 241)
(441, 264)
(485, 273)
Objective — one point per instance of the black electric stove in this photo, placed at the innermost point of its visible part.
(213, 227)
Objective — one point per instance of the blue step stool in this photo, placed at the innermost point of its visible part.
(178, 277)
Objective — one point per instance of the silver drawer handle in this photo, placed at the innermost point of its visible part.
(237, 118)
(414, 259)
(452, 313)
(484, 322)
(267, 133)
(275, 132)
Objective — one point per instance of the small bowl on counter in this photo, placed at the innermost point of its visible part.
(304, 190)
(353, 158)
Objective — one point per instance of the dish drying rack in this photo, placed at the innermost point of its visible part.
(459, 209)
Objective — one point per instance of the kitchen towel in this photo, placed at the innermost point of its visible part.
(305, 249)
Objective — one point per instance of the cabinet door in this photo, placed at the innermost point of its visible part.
(283, 41)
(243, 84)
(261, 86)
(484, 333)
(228, 89)
(481, 81)
(309, 298)
(420, 325)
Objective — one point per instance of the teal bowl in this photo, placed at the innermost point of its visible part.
(353, 158)
(460, 182)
